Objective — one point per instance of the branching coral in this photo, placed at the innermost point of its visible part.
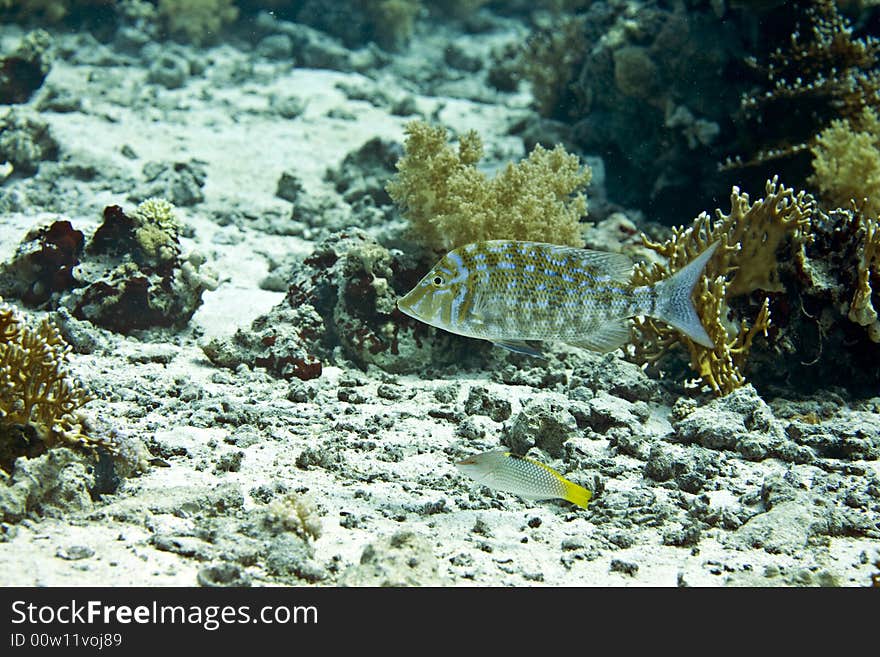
(846, 163)
(823, 74)
(746, 260)
(38, 396)
(449, 202)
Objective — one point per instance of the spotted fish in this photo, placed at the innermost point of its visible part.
(503, 470)
(511, 292)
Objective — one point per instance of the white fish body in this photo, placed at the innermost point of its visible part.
(502, 470)
(509, 292)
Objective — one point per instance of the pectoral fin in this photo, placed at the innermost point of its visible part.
(520, 347)
(607, 337)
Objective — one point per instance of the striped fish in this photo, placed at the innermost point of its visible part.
(511, 292)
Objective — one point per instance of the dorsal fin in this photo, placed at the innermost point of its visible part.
(616, 266)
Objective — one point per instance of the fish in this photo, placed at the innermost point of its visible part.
(515, 293)
(503, 470)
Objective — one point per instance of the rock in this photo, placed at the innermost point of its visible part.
(169, 69)
(178, 182)
(56, 482)
(404, 559)
(289, 555)
(223, 574)
(544, 422)
(25, 141)
(784, 529)
(364, 172)
(276, 46)
(481, 402)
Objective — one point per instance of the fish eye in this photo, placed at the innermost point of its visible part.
(437, 281)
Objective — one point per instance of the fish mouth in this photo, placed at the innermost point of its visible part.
(403, 306)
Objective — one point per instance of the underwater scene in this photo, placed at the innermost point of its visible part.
(440, 293)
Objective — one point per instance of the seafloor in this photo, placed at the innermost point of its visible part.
(348, 478)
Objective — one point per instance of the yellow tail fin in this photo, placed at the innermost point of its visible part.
(577, 494)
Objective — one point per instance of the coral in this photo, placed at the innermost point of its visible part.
(153, 285)
(394, 22)
(824, 74)
(548, 60)
(751, 237)
(157, 231)
(25, 141)
(52, 11)
(846, 163)
(131, 275)
(389, 23)
(294, 513)
(38, 396)
(43, 264)
(862, 310)
(449, 202)
(198, 20)
(649, 87)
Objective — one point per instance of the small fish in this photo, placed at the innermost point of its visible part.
(502, 470)
(509, 292)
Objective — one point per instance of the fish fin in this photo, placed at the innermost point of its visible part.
(674, 304)
(577, 494)
(520, 347)
(572, 492)
(614, 265)
(608, 337)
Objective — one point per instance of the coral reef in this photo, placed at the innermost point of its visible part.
(548, 62)
(825, 323)
(751, 236)
(198, 20)
(179, 182)
(824, 73)
(449, 202)
(343, 295)
(815, 273)
(52, 11)
(649, 87)
(38, 396)
(389, 23)
(131, 274)
(137, 277)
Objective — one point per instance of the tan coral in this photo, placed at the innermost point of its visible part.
(38, 397)
(861, 309)
(746, 261)
(449, 202)
(846, 163)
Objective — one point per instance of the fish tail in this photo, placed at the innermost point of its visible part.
(674, 305)
(577, 494)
